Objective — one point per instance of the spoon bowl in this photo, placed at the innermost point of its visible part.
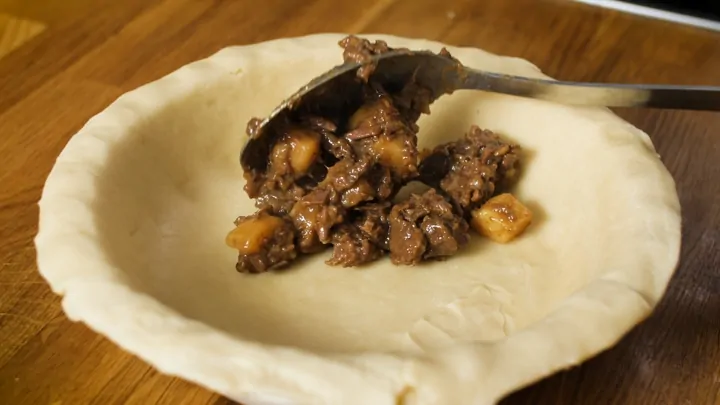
(443, 75)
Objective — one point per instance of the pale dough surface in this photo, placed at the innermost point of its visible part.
(134, 213)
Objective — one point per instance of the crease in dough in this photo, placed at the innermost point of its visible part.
(480, 316)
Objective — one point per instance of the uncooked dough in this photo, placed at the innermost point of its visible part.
(135, 211)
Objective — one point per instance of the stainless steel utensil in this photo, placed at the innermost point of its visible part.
(443, 75)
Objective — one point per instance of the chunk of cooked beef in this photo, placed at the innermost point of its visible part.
(469, 171)
(360, 50)
(314, 216)
(364, 238)
(374, 221)
(423, 227)
(263, 241)
(357, 181)
(351, 247)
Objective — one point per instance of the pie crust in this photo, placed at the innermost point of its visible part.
(135, 211)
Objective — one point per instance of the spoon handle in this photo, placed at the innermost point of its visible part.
(595, 94)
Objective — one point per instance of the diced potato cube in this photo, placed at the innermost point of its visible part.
(362, 114)
(370, 112)
(392, 152)
(251, 232)
(298, 149)
(502, 218)
(305, 150)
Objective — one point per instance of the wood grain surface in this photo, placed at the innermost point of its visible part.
(94, 50)
(15, 32)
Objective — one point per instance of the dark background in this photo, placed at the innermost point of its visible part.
(709, 9)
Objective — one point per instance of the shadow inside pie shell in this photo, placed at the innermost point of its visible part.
(134, 213)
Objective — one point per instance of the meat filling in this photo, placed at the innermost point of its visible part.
(469, 171)
(332, 173)
(425, 227)
(360, 50)
(263, 241)
(365, 238)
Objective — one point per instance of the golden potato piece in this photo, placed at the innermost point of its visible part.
(251, 232)
(305, 150)
(502, 218)
(371, 113)
(392, 152)
(298, 149)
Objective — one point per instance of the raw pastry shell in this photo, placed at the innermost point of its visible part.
(134, 212)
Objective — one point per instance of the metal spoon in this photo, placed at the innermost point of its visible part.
(443, 75)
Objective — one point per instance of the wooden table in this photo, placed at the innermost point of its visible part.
(62, 61)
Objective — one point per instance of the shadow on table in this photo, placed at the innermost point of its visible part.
(663, 348)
